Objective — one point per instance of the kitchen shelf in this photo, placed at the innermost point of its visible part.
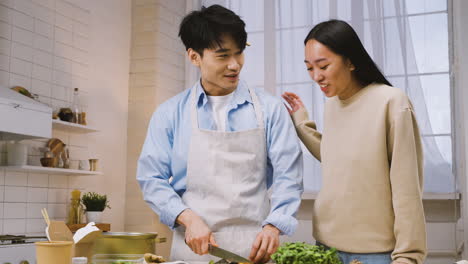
(428, 196)
(72, 127)
(47, 170)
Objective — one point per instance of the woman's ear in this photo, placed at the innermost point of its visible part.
(194, 57)
(350, 65)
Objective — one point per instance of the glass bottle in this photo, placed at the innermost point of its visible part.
(76, 209)
(76, 108)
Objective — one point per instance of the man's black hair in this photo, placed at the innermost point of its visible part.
(204, 29)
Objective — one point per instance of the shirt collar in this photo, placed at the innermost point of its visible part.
(241, 94)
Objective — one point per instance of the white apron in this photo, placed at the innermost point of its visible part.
(226, 185)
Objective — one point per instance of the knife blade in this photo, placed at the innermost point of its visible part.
(225, 254)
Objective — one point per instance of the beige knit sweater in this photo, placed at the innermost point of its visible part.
(372, 165)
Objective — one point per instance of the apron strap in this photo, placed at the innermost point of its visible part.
(194, 108)
(257, 108)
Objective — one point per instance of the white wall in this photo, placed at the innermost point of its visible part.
(157, 73)
(50, 47)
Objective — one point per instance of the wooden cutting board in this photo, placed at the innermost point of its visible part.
(56, 146)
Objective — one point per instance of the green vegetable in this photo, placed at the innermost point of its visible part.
(302, 253)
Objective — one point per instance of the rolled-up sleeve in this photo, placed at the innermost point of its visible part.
(154, 170)
(285, 160)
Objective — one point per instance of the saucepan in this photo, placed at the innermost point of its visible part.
(127, 243)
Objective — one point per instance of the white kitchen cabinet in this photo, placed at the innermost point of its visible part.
(22, 117)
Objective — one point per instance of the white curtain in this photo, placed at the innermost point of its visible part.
(408, 39)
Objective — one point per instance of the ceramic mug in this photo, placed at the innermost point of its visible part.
(84, 165)
(17, 153)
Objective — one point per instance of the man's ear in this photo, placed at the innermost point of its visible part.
(194, 57)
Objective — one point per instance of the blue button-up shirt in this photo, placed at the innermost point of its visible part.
(162, 166)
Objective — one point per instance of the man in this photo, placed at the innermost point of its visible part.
(213, 151)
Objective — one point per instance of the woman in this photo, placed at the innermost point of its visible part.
(370, 205)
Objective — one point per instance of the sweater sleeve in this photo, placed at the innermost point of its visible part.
(406, 179)
(307, 132)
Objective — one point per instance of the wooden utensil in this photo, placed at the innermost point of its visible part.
(56, 146)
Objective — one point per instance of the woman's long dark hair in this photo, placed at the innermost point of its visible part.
(341, 38)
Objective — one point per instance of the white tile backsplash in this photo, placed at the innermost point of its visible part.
(38, 180)
(22, 20)
(44, 47)
(4, 81)
(50, 4)
(35, 226)
(16, 194)
(19, 80)
(24, 6)
(33, 210)
(44, 14)
(41, 87)
(4, 62)
(21, 67)
(22, 36)
(43, 58)
(5, 14)
(81, 29)
(60, 93)
(43, 43)
(57, 211)
(2, 177)
(64, 8)
(14, 226)
(62, 78)
(80, 69)
(43, 28)
(21, 51)
(63, 36)
(37, 195)
(63, 50)
(80, 42)
(82, 15)
(63, 22)
(14, 210)
(5, 46)
(14, 178)
(42, 73)
(58, 181)
(5, 30)
(57, 196)
(80, 56)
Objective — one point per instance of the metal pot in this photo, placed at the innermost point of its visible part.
(126, 243)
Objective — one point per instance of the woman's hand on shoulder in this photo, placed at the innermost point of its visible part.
(294, 101)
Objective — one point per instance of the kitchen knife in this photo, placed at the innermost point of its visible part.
(227, 255)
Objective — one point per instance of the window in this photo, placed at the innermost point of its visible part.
(408, 39)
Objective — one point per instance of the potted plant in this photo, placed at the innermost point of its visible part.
(94, 203)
